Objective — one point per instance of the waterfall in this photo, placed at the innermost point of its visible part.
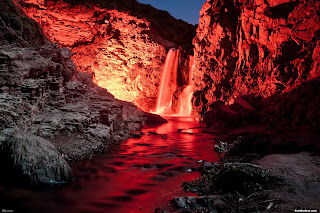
(184, 104)
(168, 83)
(168, 87)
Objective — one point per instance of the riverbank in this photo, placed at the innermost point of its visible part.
(269, 171)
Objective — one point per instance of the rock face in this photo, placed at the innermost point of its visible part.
(254, 47)
(124, 54)
(299, 107)
(38, 96)
(34, 159)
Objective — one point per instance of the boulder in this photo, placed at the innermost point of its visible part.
(33, 160)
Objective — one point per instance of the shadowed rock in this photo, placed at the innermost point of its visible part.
(34, 159)
(244, 178)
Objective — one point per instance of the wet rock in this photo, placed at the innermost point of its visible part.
(33, 159)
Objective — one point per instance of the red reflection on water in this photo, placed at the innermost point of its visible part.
(145, 174)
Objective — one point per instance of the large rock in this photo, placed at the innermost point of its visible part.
(254, 47)
(244, 178)
(33, 159)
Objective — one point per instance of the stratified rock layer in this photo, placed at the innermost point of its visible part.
(38, 95)
(254, 47)
(121, 51)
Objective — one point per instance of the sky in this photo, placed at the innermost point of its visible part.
(187, 10)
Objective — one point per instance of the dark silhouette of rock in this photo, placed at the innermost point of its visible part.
(299, 107)
(154, 119)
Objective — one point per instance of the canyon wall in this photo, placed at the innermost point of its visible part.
(258, 47)
(124, 53)
(38, 97)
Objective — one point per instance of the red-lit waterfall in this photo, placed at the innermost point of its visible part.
(168, 87)
(184, 104)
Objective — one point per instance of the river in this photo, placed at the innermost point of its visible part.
(144, 174)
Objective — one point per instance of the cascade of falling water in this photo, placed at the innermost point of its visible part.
(184, 104)
(168, 87)
(168, 83)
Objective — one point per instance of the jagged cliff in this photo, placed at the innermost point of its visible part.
(122, 44)
(254, 47)
(43, 110)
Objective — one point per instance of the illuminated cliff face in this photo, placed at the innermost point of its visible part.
(114, 46)
(254, 47)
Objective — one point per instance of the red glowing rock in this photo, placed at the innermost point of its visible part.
(116, 47)
(254, 47)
